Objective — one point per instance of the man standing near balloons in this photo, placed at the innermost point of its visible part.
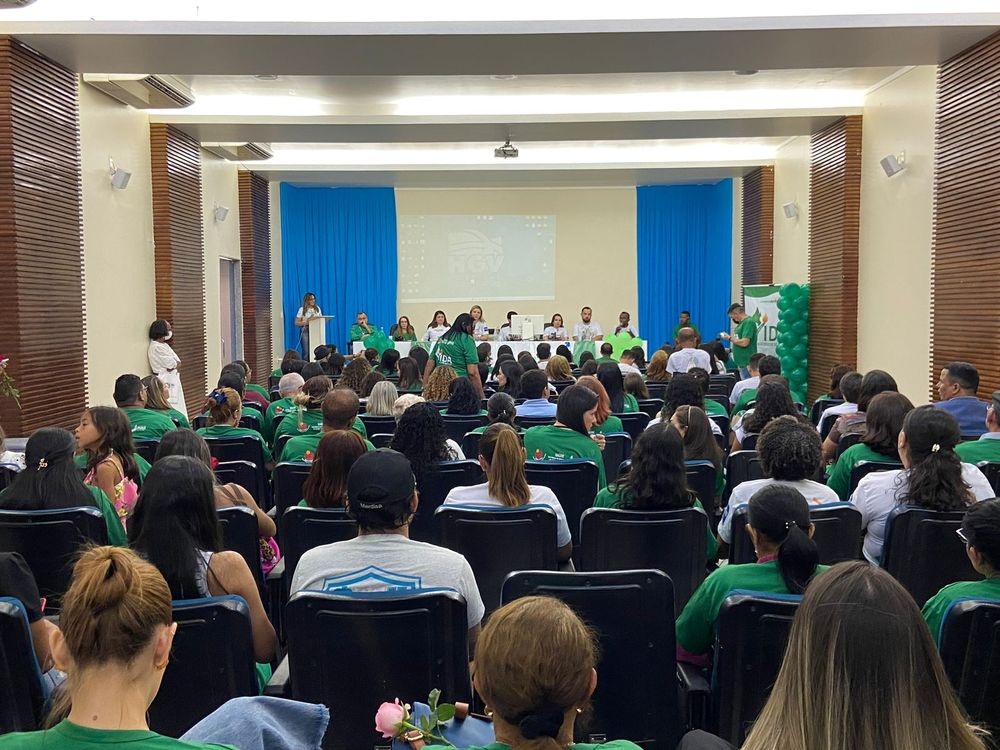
(744, 340)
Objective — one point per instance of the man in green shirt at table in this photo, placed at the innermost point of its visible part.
(340, 409)
(361, 329)
(685, 322)
(744, 340)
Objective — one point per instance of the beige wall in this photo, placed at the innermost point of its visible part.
(895, 245)
(222, 240)
(595, 247)
(119, 290)
(791, 236)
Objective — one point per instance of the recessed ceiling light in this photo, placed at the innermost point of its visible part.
(504, 77)
(266, 77)
(745, 72)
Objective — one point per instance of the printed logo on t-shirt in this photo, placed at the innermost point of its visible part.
(308, 457)
(538, 454)
(372, 578)
(303, 427)
(139, 428)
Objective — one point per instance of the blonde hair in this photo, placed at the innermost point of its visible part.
(558, 368)
(534, 662)
(404, 402)
(155, 399)
(222, 405)
(381, 399)
(861, 671)
(656, 369)
(313, 392)
(502, 449)
(437, 387)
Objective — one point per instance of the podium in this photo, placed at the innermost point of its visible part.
(317, 332)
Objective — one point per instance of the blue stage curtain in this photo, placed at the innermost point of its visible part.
(684, 258)
(339, 243)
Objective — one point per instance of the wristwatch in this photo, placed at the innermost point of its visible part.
(415, 739)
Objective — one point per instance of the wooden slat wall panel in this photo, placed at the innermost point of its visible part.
(834, 220)
(758, 226)
(179, 240)
(965, 266)
(41, 240)
(255, 266)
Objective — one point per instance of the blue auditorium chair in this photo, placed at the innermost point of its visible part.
(22, 696)
(970, 650)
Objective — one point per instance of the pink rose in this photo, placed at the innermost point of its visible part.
(387, 717)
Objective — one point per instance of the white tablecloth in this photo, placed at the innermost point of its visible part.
(403, 347)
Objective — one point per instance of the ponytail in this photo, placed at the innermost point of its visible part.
(780, 515)
(501, 447)
(934, 479)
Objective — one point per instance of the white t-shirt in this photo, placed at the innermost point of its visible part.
(742, 386)
(480, 328)
(311, 314)
(435, 332)
(558, 333)
(814, 492)
(503, 333)
(587, 331)
(833, 412)
(630, 329)
(479, 494)
(12, 460)
(388, 562)
(878, 493)
(628, 369)
(684, 359)
(454, 449)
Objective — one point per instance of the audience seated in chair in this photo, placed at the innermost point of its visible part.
(981, 533)
(558, 369)
(409, 376)
(508, 374)
(502, 457)
(176, 528)
(787, 560)
(326, 486)
(712, 407)
(957, 388)
(767, 365)
(569, 437)
(627, 365)
(688, 354)
(17, 582)
(987, 448)
(50, 480)
(463, 399)
(613, 382)
(354, 375)
(114, 642)
(158, 399)
(536, 669)
(883, 421)
(635, 386)
(753, 366)
(789, 452)
(306, 416)
(657, 479)
(383, 395)
(105, 438)
(932, 477)
(224, 411)
(131, 397)
(371, 380)
(500, 409)
(339, 410)
(382, 498)
(683, 390)
(535, 392)
(289, 387)
(699, 443)
(873, 383)
(656, 370)
(261, 397)
(773, 401)
(421, 437)
(437, 387)
(606, 421)
(850, 389)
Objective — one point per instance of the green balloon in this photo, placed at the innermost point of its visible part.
(783, 303)
(788, 364)
(798, 375)
(799, 351)
(781, 351)
(791, 290)
(800, 328)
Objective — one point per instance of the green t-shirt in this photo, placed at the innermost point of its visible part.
(180, 417)
(746, 396)
(696, 624)
(631, 405)
(976, 451)
(937, 606)
(225, 431)
(611, 745)
(747, 329)
(276, 408)
(359, 334)
(606, 360)
(311, 424)
(116, 532)
(276, 373)
(68, 736)
(551, 442)
(259, 390)
(148, 424)
(840, 475)
(715, 409)
(455, 351)
(678, 327)
(304, 447)
(398, 335)
(609, 425)
(610, 497)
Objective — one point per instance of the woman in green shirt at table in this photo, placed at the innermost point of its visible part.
(115, 633)
(403, 331)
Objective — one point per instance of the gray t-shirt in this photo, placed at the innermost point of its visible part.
(388, 562)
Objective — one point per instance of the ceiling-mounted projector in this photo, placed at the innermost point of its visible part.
(506, 151)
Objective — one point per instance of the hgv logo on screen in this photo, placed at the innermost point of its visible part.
(471, 251)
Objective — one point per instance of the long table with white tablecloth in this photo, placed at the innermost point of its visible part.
(403, 347)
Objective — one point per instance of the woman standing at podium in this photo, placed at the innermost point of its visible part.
(308, 310)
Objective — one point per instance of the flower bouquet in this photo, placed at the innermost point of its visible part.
(433, 723)
(7, 385)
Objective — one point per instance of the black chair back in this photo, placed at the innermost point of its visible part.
(651, 406)
(146, 448)
(211, 662)
(242, 473)
(617, 449)
(749, 441)
(573, 480)
(846, 441)
(49, 541)
(470, 444)
(718, 398)
(633, 614)
(837, 534)
(863, 468)
(199, 422)
(741, 466)
(725, 382)
(656, 388)
(245, 449)
(457, 425)
(526, 422)
(970, 650)
(381, 439)
(634, 423)
(669, 540)
(376, 425)
(820, 405)
(909, 534)
(288, 480)
(991, 470)
(252, 420)
(302, 529)
(701, 478)
(752, 633)
(240, 534)
(722, 422)
(434, 487)
(498, 541)
(21, 695)
(401, 645)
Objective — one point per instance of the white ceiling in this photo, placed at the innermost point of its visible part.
(420, 94)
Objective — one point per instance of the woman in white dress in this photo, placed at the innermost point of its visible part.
(308, 310)
(437, 327)
(163, 361)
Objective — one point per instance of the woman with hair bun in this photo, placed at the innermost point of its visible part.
(787, 559)
(224, 409)
(536, 670)
(500, 409)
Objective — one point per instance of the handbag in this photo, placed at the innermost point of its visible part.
(471, 731)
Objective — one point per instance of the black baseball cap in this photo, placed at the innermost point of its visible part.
(378, 481)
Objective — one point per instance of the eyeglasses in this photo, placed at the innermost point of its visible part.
(962, 536)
